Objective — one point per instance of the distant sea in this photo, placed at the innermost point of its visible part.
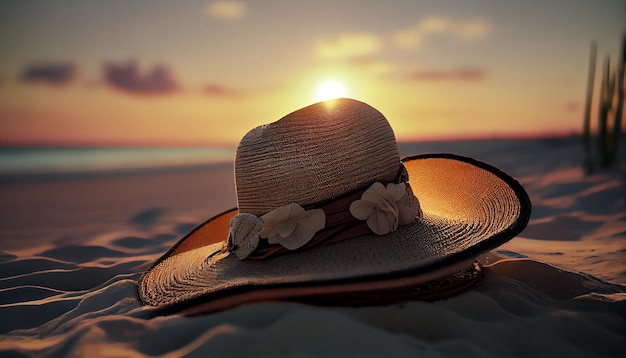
(35, 161)
(53, 160)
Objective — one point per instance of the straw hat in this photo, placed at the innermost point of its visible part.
(327, 213)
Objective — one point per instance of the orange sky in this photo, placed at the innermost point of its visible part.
(205, 72)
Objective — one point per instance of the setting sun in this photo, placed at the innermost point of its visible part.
(330, 90)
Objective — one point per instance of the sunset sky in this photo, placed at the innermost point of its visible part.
(205, 72)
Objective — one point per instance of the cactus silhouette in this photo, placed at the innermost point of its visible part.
(619, 110)
(605, 127)
(588, 164)
(610, 110)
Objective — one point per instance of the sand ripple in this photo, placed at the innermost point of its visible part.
(67, 309)
(78, 298)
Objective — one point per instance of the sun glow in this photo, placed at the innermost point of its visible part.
(330, 90)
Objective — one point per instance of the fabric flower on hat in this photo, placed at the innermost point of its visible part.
(291, 226)
(385, 207)
(243, 237)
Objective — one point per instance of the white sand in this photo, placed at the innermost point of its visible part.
(72, 250)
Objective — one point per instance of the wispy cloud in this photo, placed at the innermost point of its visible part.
(348, 46)
(461, 29)
(227, 10)
(128, 78)
(372, 64)
(221, 91)
(461, 74)
(365, 50)
(57, 74)
(573, 106)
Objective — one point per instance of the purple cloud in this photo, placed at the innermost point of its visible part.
(462, 74)
(128, 78)
(57, 74)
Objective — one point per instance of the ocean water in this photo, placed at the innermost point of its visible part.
(56, 160)
(46, 160)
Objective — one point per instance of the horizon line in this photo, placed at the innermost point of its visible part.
(180, 144)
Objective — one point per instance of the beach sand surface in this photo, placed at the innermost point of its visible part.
(73, 246)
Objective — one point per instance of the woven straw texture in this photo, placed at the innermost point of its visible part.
(468, 207)
(314, 154)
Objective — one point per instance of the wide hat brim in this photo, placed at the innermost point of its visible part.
(468, 207)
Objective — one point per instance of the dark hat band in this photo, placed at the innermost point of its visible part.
(340, 224)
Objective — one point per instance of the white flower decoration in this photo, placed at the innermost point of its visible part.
(291, 226)
(243, 237)
(385, 208)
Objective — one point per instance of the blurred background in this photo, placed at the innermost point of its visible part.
(202, 73)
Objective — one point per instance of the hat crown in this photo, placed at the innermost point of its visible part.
(313, 155)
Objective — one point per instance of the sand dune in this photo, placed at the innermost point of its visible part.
(72, 250)
(513, 311)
